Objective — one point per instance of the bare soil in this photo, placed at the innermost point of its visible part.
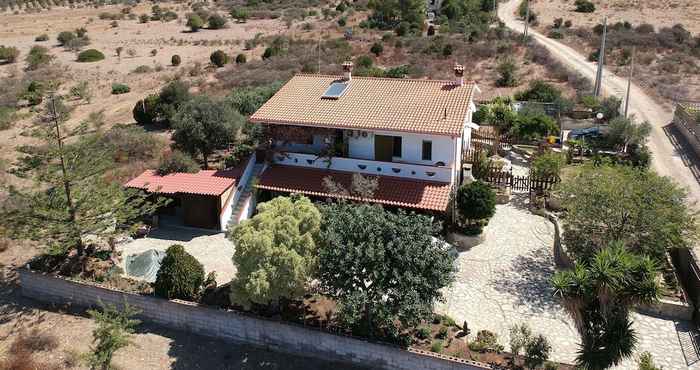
(657, 13)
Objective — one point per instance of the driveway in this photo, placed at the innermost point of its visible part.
(211, 249)
(505, 281)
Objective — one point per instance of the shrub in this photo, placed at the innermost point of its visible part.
(241, 58)
(548, 165)
(154, 52)
(423, 333)
(508, 73)
(42, 37)
(476, 201)
(364, 61)
(584, 6)
(194, 22)
(436, 346)
(175, 60)
(216, 22)
(145, 111)
(645, 28)
(539, 91)
(268, 53)
(90, 55)
(342, 21)
(568, 23)
(485, 341)
(376, 48)
(218, 58)
(176, 161)
(555, 34)
(537, 351)
(37, 57)
(144, 18)
(8, 54)
(646, 362)
(118, 89)
(558, 22)
(143, 69)
(442, 333)
(180, 275)
(64, 37)
(534, 126)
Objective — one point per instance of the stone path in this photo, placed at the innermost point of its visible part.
(505, 281)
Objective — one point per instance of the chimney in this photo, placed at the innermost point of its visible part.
(347, 70)
(459, 74)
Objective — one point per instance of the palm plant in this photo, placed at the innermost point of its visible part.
(598, 294)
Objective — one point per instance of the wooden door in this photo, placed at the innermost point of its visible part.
(383, 148)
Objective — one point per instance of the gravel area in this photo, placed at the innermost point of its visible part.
(211, 249)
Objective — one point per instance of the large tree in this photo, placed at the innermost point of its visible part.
(645, 211)
(72, 201)
(276, 251)
(381, 266)
(598, 294)
(203, 125)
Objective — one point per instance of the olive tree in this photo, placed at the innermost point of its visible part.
(382, 267)
(203, 125)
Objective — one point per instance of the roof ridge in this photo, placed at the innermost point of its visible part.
(306, 74)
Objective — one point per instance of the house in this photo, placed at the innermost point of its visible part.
(204, 199)
(409, 134)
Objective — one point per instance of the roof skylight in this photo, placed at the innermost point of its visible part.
(335, 90)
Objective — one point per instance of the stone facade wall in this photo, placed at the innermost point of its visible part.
(237, 327)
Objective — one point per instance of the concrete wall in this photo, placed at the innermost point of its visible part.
(685, 123)
(240, 185)
(236, 327)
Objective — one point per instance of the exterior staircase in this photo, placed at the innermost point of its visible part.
(246, 194)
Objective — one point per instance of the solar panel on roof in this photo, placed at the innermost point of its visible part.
(335, 90)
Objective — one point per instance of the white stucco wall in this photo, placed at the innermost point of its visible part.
(362, 147)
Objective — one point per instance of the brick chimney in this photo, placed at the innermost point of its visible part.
(347, 70)
(459, 74)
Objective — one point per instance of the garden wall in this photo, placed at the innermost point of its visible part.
(686, 125)
(238, 327)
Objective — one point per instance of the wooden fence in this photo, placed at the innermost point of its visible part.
(495, 176)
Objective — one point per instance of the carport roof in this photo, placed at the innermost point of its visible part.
(204, 182)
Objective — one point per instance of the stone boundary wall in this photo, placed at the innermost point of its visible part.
(239, 327)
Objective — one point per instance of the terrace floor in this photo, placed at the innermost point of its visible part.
(505, 281)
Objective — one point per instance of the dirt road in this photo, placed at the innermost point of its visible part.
(667, 161)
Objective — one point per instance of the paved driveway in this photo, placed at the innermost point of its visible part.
(211, 249)
(505, 280)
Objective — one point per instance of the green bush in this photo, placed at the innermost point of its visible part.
(436, 346)
(180, 275)
(241, 58)
(423, 332)
(90, 55)
(646, 362)
(216, 22)
(175, 60)
(219, 58)
(118, 89)
(195, 22)
(508, 73)
(143, 69)
(376, 49)
(548, 165)
(37, 57)
(476, 201)
(584, 6)
(539, 91)
(442, 333)
(8, 54)
(176, 161)
(486, 341)
(268, 53)
(556, 34)
(42, 37)
(533, 127)
(364, 61)
(145, 111)
(65, 37)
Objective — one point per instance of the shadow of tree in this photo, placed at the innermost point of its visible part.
(528, 280)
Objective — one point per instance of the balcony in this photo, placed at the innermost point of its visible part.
(368, 167)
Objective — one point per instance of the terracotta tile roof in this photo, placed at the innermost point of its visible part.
(204, 182)
(391, 104)
(395, 191)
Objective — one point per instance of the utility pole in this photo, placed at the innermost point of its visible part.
(319, 53)
(601, 61)
(629, 82)
(527, 20)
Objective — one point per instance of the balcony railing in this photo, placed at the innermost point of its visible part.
(406, 170)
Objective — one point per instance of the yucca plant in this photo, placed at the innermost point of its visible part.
(598, 294)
